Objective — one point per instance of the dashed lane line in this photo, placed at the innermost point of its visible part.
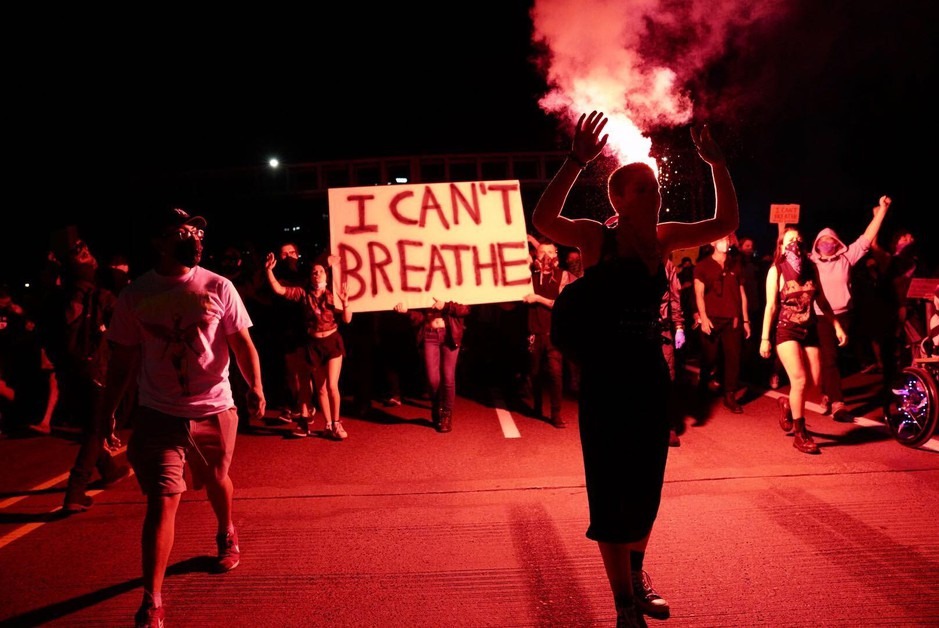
(506, 422)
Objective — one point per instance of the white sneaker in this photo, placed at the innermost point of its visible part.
(338, 432)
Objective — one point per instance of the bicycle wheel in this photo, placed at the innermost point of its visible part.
(913, 410)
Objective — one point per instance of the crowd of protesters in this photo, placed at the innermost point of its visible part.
(385, 363)
(54, 358)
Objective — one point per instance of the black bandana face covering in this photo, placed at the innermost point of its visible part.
(793, 255)
(188, 252)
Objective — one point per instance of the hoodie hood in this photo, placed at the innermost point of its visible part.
(839, 250)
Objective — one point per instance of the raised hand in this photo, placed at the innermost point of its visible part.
(707, 148)
(343, 294)
(883, 205)
(588, 142)
(270, 261)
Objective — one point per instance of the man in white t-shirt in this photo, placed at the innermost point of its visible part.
(176, 327)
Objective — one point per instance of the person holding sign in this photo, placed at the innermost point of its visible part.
(623, 420)
(546, 365)
(440, 334)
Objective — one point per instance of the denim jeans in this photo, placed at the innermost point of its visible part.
(440, 364)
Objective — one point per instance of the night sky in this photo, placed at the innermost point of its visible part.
(825, 104)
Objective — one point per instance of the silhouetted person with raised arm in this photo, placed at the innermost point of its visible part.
(624, 427)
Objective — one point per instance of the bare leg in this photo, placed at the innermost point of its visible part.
(220, 497)
(45, 425)
(159, 532)
(322, 394)
(790, 354)
(616, 561)
(333, 369)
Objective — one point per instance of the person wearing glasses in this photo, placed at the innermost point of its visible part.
(176, 327)
(618, 341)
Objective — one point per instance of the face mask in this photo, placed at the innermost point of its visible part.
(793, 253)
(321, 285)
(575, 266)
(722, 246)
(827, 247)
(188, 252)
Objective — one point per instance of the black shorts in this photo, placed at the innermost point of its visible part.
(805, 335)
(319, 351)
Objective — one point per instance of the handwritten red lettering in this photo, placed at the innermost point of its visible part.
(430, 203)
(504, 189)
(359, 200)
(393, 206)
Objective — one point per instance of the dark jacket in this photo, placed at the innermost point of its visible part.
(453, 314)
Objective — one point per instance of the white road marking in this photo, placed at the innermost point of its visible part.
(509, 429)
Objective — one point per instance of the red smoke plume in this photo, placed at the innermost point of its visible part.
(636, 60)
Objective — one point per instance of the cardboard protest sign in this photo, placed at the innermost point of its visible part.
(413, 243)
(784, 214)
(922, 288)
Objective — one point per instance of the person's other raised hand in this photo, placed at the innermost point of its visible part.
(707, 148)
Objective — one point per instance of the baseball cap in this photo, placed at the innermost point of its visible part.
(174, 218)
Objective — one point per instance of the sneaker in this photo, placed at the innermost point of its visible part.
(149, 617)
(338, 432)
(785, 414)
(113, 443)
(39, 428)
(229, 554)
(299, 432)
(391, 402)
(730, 402)
(825, 403)
(774, 381)
(282, 419)
(647, 600)
(303, 427)
(559, 422)
(804, 443)
(673, 439)
(841, 415)
(77, 502)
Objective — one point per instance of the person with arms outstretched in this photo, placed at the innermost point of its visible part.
(623, 421)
